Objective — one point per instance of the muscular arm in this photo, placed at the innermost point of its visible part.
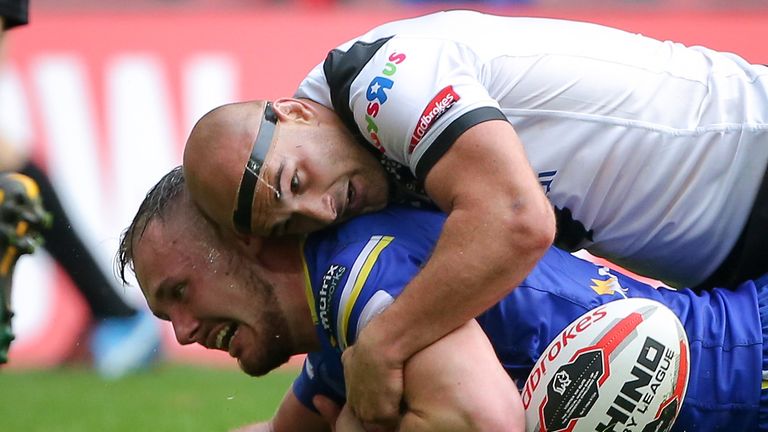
(499, 224)
(457, 384)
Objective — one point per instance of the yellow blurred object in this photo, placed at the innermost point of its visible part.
(22, 215)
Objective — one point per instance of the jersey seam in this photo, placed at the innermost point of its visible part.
(639, 124)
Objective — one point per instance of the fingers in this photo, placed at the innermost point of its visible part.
(374, 389)
(347, 422)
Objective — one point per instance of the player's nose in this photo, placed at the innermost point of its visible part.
(185, 327)
(321, 209)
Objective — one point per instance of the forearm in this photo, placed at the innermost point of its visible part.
(474, 265)
(499, 225)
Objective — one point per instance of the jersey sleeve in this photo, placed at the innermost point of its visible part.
(350, 286)
(361, 281)
(306, 385)
(320, 375)
(409, 97)
(357, 283)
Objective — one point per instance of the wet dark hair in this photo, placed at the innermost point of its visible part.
(155, 205)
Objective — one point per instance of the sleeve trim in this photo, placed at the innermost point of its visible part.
(449, 136)
(361, 269)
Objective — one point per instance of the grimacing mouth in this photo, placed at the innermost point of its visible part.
(224, 336)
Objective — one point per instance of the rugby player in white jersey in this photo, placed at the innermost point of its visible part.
(652, 154)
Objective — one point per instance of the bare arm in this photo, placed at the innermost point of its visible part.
(499, 225)
(455, 384)
(458, 384)
(291, 416)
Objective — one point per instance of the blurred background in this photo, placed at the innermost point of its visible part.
(100, 95)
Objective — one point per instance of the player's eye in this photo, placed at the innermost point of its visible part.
(295, 183)
(177, 293)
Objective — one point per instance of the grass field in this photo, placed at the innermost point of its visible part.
(168, 398)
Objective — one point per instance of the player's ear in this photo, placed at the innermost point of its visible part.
(291, 109)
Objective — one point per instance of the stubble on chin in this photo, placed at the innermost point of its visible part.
(276, 345)
(267, 365)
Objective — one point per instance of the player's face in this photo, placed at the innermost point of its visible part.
(210, 295)
(314, 175)
(309, 187)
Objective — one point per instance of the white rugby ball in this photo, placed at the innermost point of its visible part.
(622, 366)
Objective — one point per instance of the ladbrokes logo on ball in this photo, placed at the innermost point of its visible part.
(551, 355)
(435, 108)
(620, 367)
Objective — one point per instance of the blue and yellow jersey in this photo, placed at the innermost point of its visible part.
(356, 270)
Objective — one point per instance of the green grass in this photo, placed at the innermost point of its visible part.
(168, 398)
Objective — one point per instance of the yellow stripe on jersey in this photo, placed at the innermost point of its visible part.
(308, 293)
(355, 282)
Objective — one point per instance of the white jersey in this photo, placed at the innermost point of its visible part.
(650, 151)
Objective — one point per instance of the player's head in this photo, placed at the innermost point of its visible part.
(282, 167)
(213, 293)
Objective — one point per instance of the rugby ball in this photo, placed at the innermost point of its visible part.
(622, 366)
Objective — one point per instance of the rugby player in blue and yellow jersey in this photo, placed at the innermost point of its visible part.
(264, 303)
